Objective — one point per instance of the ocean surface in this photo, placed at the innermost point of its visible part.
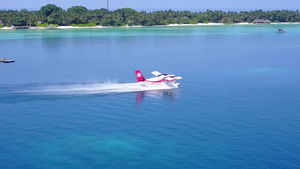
(71, 99)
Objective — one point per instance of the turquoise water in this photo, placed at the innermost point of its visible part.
(69, 100)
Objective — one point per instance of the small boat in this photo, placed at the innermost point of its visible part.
(281, 30)
(3, 60)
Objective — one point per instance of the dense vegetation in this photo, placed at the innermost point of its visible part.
(80, 16)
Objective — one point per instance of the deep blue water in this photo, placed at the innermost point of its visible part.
(67, 101)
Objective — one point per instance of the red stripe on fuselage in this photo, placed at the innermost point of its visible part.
(160, 81)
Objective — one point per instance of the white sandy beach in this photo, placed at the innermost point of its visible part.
(170, 25)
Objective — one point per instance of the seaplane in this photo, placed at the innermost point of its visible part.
(158, 79)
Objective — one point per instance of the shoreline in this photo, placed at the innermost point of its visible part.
(139, 26)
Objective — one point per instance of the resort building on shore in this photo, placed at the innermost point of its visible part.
(261, 21)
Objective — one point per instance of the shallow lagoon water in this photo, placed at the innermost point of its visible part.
(68, 100)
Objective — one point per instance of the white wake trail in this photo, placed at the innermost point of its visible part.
(97, 88)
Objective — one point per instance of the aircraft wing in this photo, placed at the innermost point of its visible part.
(156, 73)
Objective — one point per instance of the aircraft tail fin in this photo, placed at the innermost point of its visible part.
(139, 76)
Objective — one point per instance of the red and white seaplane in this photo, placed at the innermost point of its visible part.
(159, 78)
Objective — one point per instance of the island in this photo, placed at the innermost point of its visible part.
(51, 16)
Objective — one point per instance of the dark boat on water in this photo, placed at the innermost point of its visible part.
(281, 30)
(3, 60)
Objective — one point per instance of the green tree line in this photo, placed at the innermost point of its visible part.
(79, 15)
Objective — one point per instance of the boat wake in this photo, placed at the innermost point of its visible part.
(96, 88)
